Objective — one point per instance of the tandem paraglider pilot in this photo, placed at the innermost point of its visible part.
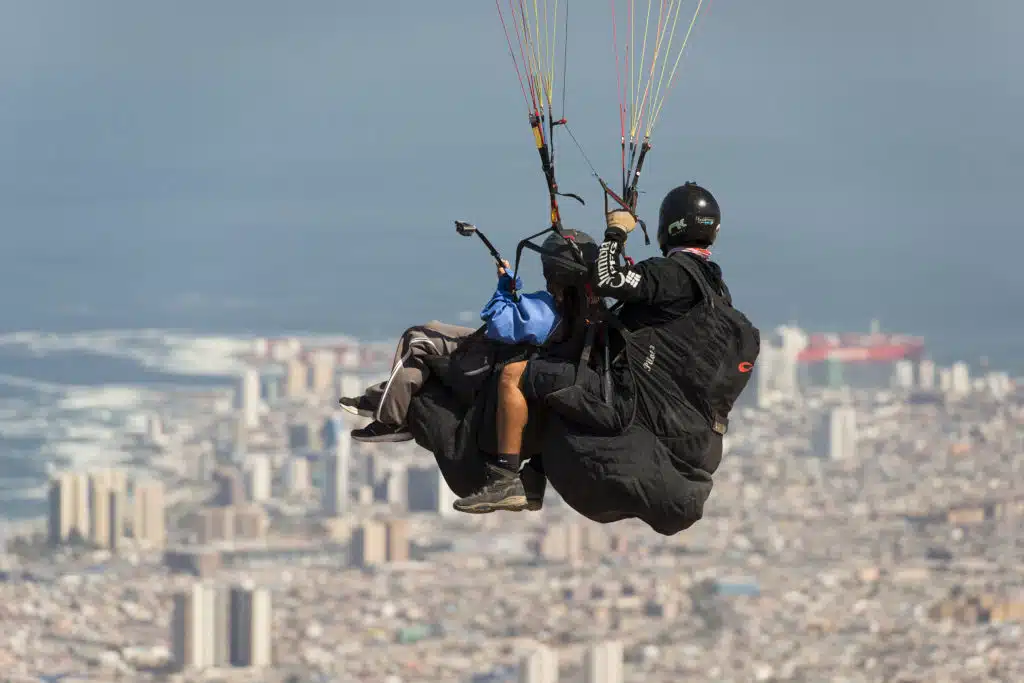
(681, 357)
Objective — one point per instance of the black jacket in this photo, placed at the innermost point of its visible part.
(654, 291)
(649, 451)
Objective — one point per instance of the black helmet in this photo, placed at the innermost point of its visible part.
(689, 217)
(562, 263)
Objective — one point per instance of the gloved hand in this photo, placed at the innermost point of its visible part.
(620, 224)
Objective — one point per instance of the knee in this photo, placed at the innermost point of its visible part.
(511, 377)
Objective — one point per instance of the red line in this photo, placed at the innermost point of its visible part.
(512, 52)
(654, 61)
(522, 51)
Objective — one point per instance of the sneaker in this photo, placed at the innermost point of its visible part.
(361, 406)
(377, 432)
(503, 491)
(534, 483)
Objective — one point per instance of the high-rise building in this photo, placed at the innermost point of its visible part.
(903, 375)
(396, 486)
(764, 392)
(68, 508)
(333, 431)
(194, 628)
(602, 663)
(249, 397)
(445, 497)
(945, 380)
(836, 436)
(369, 544)
(322, 363)
(259, 477)
(337, 463)
(397, 540)
(149, 527)
(107, 490)
(297, 474)
(296, 378)
(926, 375)
(220, 601)
(777, 371)
(540, 666)
(250, 627)
(118, 505)
(999, 384)
(961, 379)
(270, 387)
(427, 491)
(786, 373)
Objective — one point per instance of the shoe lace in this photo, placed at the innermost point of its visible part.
(501, 480)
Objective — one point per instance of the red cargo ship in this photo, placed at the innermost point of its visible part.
(862, 348)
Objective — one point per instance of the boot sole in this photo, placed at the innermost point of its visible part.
(510, 504)
(387, 438)
(352, 410)
(534, 505)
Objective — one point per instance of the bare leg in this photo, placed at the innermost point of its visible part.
(513, 412)
(504, 489)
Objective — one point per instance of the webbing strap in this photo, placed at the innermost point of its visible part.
(688, 264)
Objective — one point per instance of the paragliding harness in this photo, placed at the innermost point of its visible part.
(683, 374)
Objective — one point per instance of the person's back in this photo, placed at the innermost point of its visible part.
(677, 293)
(660, 296)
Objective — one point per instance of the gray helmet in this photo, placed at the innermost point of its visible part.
(561, 261)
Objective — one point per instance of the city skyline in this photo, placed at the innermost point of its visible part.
(862, 499)
(216, 218)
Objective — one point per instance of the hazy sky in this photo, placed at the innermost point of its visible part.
(870, 149)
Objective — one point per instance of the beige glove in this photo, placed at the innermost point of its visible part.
(620, 222)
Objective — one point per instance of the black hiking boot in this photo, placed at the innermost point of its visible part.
(360, 405)
(503, 491)
(534, 483)
(378, 432)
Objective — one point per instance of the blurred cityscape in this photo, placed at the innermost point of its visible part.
(863, 527)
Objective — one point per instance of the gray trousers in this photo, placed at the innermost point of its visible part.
(409, 372)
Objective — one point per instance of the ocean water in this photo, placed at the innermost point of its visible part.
(69, 399)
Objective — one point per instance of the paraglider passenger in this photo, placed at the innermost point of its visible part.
(530, 319)
(654, 294)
